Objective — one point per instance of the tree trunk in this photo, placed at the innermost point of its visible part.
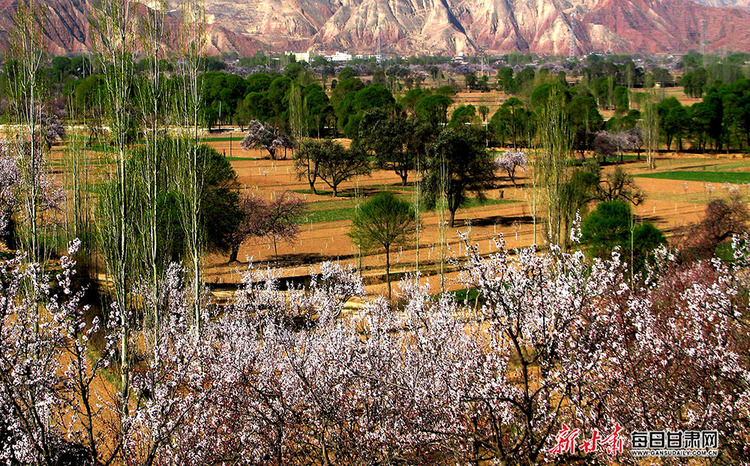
(388, 270)
(233, 254)
(404, 177)
(452, 217)
(279, 450)
(324, 449)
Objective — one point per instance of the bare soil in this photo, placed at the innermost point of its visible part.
(670, 204)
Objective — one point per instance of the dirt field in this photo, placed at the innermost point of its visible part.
(670, 204)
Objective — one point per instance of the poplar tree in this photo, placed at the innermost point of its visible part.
(189, 168)
(152, 166)
(551, 166)
(298, 116)
(114, 39)
(650, 129)
(26, 98)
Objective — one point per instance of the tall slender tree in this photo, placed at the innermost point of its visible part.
(153, 167)
(26, 98)
(651, 129)
(189, 172)
(298, 115)
(550, 166)
(113, 23)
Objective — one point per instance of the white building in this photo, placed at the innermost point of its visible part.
(302, 56)
(339, 57)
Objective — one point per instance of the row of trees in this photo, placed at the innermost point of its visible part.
(453, 162)
(721, 119)
(298, 106)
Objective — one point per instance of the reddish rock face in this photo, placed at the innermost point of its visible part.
(436, 26)
(671, 25)
(67, 29)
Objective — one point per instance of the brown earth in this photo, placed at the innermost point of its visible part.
(669, 204)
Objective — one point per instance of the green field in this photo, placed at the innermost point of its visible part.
(330, 215)
(239, 159)
(222, 139)
(346, 213)
(705, 177)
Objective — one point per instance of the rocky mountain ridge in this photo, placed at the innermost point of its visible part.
(438, 26)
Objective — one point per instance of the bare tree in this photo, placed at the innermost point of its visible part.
(307, 162)
(284, 215)
(722, 219)
(280, 219)
(619, 186)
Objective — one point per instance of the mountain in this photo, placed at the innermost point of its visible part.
(745, 4)
(437, 26)
(671, 25)
(541, 26)
(66, 29)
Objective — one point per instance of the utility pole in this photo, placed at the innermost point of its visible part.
(703, 40)
(380, 56)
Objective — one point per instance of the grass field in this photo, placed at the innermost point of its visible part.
(320, 212)
(701, 176)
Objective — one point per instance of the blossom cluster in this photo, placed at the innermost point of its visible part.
(510, 161)
(289, 374)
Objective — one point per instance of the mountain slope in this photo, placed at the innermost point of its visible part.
(66, 29)
(436, 26)
(670, 25)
